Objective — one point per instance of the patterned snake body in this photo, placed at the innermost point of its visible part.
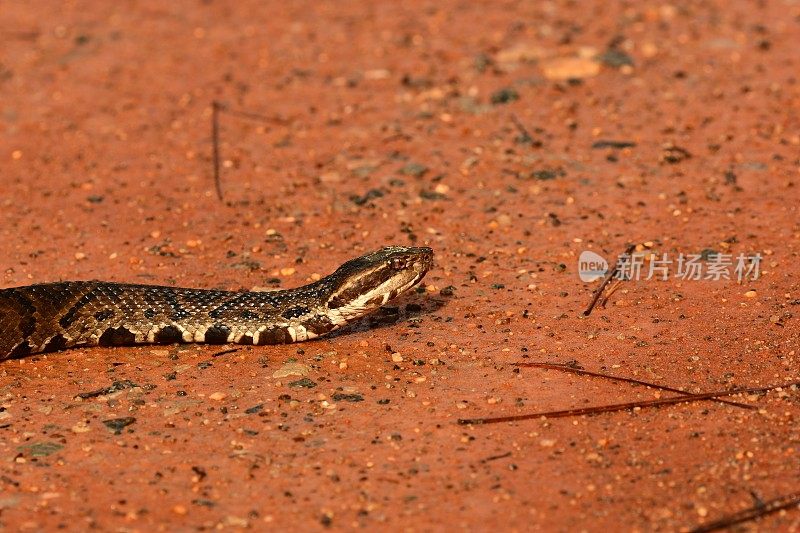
(54, 316)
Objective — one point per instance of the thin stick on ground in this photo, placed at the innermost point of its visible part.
(622, 406)
(606, 280)
(243, 114)
(610, 292)
(581, 372)
(225, 352)
(216, 109)
(752, 513)
(523, 132)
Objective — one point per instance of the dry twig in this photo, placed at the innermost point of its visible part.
(609, 276)
(216, 109)
(580, 371)
(622, 406)
(524, 136)
(752, 513)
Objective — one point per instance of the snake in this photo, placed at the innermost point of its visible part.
(49, 317)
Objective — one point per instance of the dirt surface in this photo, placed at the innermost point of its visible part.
(470, 127)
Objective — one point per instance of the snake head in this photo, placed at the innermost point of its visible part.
(364, 284)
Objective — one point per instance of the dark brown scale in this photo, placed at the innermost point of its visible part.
(320, 325)
(58, 342)
(274, 336)
(217, 334)
(119, 336)
(169, 335)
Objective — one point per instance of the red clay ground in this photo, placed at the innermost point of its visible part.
(106, 173)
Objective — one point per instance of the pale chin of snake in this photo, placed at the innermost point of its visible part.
(54, 316)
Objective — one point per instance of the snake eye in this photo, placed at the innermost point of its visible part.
(397, 263)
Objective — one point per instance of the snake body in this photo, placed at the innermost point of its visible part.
(55, 316)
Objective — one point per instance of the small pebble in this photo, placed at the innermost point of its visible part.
(81, 427)
(397, 358)
(376, 74)
(217, 396)
(564, 68)
(750, 294)
(236, 521)
(330, 177)
(291, 369)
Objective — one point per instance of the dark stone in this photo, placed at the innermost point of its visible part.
(255, 409)
(118, 424)
(367, 197)
(342, 397)
(302, 383)
(115, 386)
(504, 96)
